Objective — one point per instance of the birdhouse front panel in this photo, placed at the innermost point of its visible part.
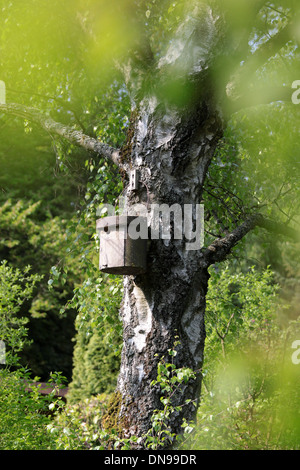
(112, 249)
(120, 254)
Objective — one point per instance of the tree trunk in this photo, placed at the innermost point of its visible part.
(172, 140)
(171, 151)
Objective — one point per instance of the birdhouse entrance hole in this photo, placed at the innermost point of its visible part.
(120, 254)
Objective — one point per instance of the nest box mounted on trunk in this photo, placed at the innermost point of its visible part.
(119, 253)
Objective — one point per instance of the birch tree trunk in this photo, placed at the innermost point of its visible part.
(171, 145)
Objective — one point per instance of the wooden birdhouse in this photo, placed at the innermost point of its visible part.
(119, 253)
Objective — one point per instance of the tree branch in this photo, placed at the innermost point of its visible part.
(52, 127)
(58, 100)
(221, 248)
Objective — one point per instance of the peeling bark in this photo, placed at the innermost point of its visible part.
(172, 154)
(172, 147)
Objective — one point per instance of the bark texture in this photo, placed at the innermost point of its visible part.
(170, 298)
(171, 145)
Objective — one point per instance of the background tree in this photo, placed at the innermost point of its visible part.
(189, 68)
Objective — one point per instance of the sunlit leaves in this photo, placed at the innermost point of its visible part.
(16, 287)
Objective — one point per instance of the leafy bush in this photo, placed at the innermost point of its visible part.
(78, 427)
(81, 425)
(30, 237)
(250, 397)
(15, 287)
(99, 336)
(24, 414)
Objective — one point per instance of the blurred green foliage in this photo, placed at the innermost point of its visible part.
(250, 397)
